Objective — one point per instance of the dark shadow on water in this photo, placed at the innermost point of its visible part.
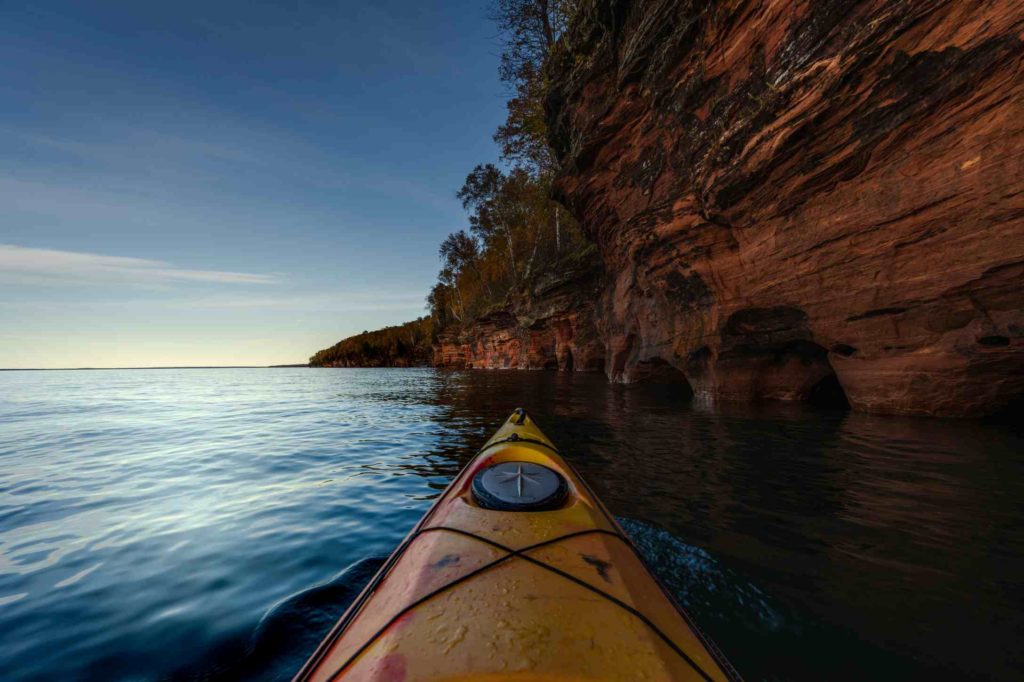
(287, 634)
(728, 605)
(1011, 416)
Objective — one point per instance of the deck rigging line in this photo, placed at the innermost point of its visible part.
(520, 553)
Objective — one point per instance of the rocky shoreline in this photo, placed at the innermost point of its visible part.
(785, 200)
(554, 326)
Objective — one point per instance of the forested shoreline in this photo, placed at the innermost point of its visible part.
(403, 345)
(515, 231)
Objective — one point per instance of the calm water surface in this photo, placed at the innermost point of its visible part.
(212, 524)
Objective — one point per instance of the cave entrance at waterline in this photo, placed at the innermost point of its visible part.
(828, 393)
(657, 372)
(793, 371)
(802, 370)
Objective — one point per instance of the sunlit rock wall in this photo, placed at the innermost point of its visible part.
(786, 194)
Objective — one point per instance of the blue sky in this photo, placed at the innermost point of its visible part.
(230, 182)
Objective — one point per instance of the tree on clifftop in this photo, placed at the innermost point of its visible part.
(516, 231)
(529, 30)
(492, 213)
(459, 251)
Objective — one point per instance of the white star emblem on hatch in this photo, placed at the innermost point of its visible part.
(520, 477)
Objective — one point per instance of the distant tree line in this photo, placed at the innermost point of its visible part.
(403, 345)
(515, 229)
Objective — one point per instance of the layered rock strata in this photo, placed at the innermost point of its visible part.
(791, 195)
(554, 326)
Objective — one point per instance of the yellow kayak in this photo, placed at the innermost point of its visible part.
(517, 572)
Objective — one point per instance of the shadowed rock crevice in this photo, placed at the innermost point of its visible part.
(621, 355)
(828, 393)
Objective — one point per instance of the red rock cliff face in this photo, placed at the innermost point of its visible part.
(551, 328)
(786, 190)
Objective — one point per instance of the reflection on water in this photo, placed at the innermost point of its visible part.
(212, 524)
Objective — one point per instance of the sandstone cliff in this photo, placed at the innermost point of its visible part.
(552, 325)
(785, 194)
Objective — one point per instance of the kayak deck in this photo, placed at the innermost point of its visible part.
(479, 594)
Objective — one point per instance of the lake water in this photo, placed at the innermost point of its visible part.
(211, 524)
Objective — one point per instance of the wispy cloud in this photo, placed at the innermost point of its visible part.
(27, 264)
(125, 147)
(342, 301)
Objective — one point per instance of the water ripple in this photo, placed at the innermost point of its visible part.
(196, 524)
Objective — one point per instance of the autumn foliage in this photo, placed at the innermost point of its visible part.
(515, 231)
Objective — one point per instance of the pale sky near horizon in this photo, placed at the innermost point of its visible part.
(230, 182)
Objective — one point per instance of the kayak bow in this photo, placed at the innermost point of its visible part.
(517, 572)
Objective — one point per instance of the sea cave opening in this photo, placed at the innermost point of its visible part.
(828, 393)
(656, 371)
